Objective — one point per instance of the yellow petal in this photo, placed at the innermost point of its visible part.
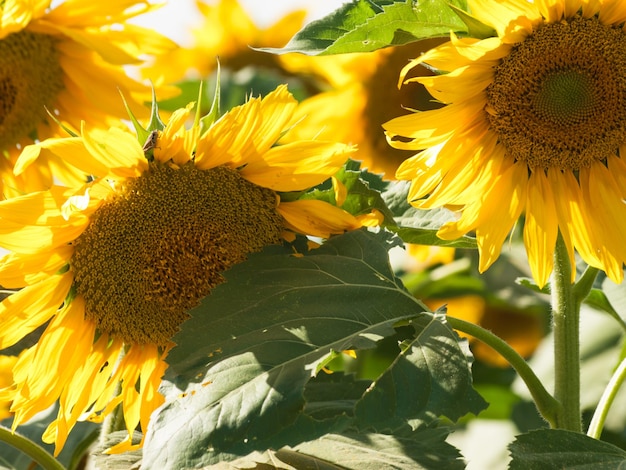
(497, 219)
(298, 165)
(603, 199)
(573, 222)
(71, 150)
(29, 308)
(14, 16)
(19, 270)
(317, 218)
(429, 128)
(228, 140)
(540, 227)
(58, 354)
(30, 239)
(116, 149)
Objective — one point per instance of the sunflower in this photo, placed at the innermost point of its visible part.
(534, 125)
(228, 33)
(358, 95)
(129, 253)
(66, 60)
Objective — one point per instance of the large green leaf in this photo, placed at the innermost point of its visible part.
(241, 379)
(424, 448)
(557, 449)
(368, 25)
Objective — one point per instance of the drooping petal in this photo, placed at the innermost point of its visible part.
(29, 308)
(59, 352)
(540, 227)
(497, 219)
(18, 270)
(317, 218)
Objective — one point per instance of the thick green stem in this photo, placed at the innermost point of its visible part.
(597, 422)
(545, 403)
(566, 330)
(28, 447)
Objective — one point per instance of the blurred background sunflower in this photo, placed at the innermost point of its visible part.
(61, 64)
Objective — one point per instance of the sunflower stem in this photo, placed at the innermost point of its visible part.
(28, 447)
(599, 416)
(566, 330)
(547, 406)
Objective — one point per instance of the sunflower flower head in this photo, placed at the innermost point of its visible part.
(128, 254)
(534, 125)
(60, 65)
(230, 33)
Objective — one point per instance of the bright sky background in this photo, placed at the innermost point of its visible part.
(177, 17)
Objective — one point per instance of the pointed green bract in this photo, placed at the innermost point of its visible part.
(214, 113)
(475, 28)
(145, 134)
(365, 26)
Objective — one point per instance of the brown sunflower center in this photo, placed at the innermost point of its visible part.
(558, 99)
(160, 245)
(30, 78)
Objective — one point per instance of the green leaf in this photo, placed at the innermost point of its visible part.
(532, 285)
(616, 296)
(475, 28)
(501, 399)
(419, 226)
(552, 448)
(598, 299)
(124, 461)
(368, 25)
(424, 448)
(430, 378)
(328, 395)
(241, 378)
(396, 197)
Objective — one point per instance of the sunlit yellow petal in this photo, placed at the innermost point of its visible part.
(58, 350)
(31, 307)
(317, 218)
(119, 150)
(497, 219)
(540, 227)
(17, 270)
(295, 166)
